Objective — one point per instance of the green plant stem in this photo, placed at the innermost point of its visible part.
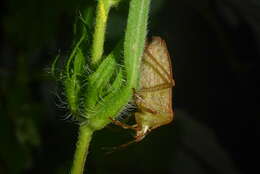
(114, 102)
(135, 39)
(136, 31)
(103, 8)
(82, 146)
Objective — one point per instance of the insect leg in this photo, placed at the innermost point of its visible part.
(123, 125)
(113, 149)
(147, 109)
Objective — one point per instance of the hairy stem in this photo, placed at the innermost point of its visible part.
(133, 49)
(135, 39)
(115, 101)
(82, 146)
(103, 8)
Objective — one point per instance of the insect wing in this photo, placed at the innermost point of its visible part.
(156, 79)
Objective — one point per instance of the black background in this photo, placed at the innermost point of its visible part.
(214, 46)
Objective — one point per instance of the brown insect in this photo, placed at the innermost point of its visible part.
(154, 97)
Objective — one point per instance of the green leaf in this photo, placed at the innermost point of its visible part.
(99, 80)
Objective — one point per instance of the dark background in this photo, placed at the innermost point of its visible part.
(214, 45)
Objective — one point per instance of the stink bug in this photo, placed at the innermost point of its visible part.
(154, 97)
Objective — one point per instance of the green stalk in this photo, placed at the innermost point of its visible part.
(84, 138)
(136, 31)
(135, 39)
(114, 102)
(103, 8)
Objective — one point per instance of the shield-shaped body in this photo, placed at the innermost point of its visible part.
(154, 97)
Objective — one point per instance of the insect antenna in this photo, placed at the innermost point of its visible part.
(111, 150)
